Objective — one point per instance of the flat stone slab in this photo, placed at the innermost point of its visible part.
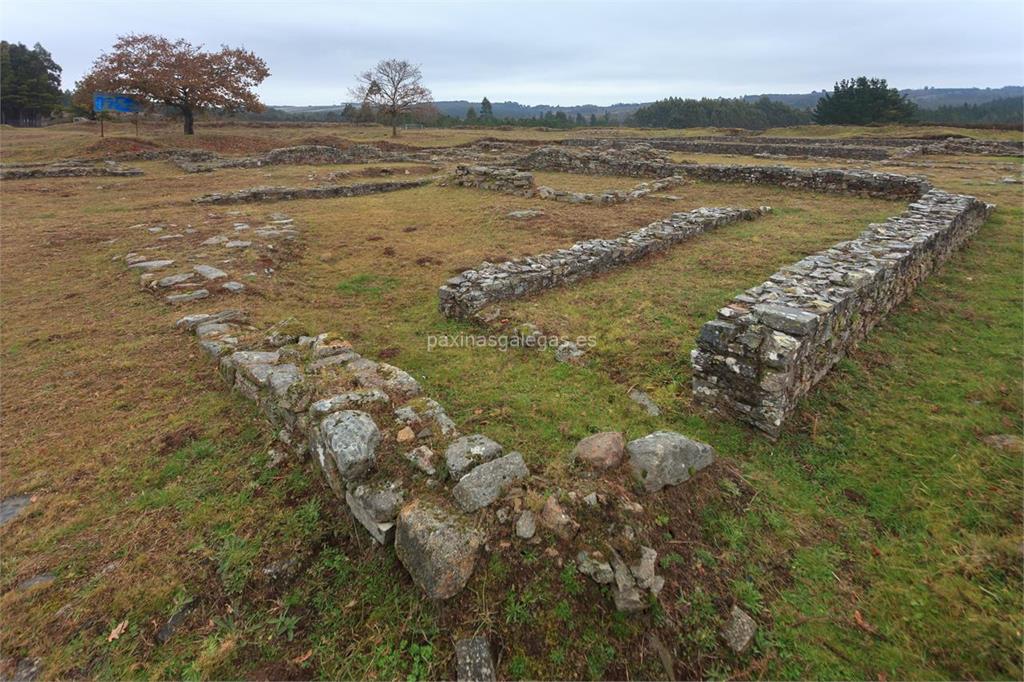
(473, 662)
(209, 272)
(11, 507)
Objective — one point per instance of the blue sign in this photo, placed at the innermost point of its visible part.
(105, 101)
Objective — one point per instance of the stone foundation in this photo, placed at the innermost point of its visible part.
(521, 183)
(773, 343)
(831, 180)
(322, 192)
(65, 169)
(469, 292)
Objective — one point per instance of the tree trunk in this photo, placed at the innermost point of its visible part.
(394, 125)
(189, 120)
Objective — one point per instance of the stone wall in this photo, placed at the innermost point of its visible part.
(831, 180)
(771, 344)
(65, 169)
(787, 149)
(301, 155)
(843, 148)
(521, 183)
(321, 192)
(472, 290)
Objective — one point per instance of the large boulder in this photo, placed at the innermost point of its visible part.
(484, 484)
(348, 439)
(467, 452)
(438, 548)
(666, 458)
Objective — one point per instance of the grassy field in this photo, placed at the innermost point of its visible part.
(879, 538)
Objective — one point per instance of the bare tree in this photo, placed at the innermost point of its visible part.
(177, 74)
(392, 88)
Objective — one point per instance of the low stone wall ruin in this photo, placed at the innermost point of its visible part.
(301, 155)
(521, 183)
(374, 437)
(830, 180)
(771, 344)
(472, 290)
(65, 169)
(321, 192)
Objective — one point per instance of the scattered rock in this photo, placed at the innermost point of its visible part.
(667, 458)
(406, 435)
(209, 272)
(11, 506)
(596, 567)
(602, 450)
(568, 351)
(437, 548)
(526, 214)
(149, 265)
(43, 579)
(233, 287)
(473, 661)
(555, 519)
(645, 401)
(467, 452)
(171, 280)
(174, 621)
(194, 295)
(739, 632)
(486, 482)
(214, 241)
(375, 507)
(526, 525)
(237, 244)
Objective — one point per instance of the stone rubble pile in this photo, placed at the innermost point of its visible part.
(183, 266)
(65, 169)
(507, 180)
(771, 344)
(472, 290)
(320, 192)
(830, 180)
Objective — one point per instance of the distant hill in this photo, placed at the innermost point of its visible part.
(926, 98)
(458, 108)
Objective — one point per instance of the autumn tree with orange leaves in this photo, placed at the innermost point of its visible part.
(392, 88)
(177, 74)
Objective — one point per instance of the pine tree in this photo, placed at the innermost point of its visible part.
(864, 100)
(471, 114)
(29, 83)
(486, 110)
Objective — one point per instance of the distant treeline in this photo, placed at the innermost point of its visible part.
(675, 112)
(1009, 110)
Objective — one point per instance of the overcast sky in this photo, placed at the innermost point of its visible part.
(560, 52)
